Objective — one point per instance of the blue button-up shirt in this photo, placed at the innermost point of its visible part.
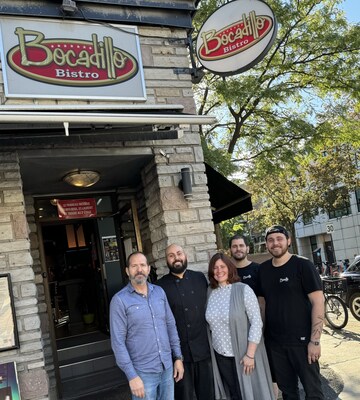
(143, 331)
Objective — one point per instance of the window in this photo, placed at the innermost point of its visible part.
(307, 219)
(339, 203)
(357, 195)
(313, 243)
(308, 216)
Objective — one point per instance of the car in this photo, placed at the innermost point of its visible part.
(352, 295)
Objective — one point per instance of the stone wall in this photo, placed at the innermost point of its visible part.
(42, 305)
(171, 218)
(16, 259)
(164, 54)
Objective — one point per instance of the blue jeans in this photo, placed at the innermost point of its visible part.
(158, 385)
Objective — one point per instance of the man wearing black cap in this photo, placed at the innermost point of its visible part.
(290, 295)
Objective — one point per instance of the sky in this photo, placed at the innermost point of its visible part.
(352, 10)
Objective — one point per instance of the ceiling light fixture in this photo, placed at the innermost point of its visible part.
(83, 178)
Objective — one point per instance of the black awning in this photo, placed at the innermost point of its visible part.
(227, 199)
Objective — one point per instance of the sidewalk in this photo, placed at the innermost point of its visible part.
(340, 364)
(341, 355)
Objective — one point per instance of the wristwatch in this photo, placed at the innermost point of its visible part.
(314, 342)
(181, 358)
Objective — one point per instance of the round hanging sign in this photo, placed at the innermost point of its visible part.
(236, 37)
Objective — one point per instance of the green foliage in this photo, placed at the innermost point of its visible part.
(276, 103)
(277, 120)
(231, 227)
(285, 192)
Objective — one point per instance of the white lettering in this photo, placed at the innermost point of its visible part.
(66, 73)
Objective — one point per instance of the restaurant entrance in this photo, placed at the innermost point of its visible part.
(76, 280)
(84, 266)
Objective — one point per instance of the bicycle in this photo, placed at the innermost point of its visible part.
(336, 312)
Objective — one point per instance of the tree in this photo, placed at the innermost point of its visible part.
(277, 104)
(291, 119)
(286, 192)
(280, 199)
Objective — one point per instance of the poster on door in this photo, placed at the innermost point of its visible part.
(111, 250)
(9, 385)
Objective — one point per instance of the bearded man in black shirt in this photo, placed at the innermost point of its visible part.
(247, 270)
(290, 295)
(186, 291)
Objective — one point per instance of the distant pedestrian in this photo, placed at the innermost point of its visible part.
(144, 336)
(186, 291)
(327, 271)
(291, 297)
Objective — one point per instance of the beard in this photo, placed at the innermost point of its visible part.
(138, 279)
(278, 252)
(238, 256)
(178, 266)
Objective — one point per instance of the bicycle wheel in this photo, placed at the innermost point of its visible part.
(336, 312)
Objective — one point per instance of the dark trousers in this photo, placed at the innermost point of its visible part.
(198, 378)
(227, 369)
(290, 363)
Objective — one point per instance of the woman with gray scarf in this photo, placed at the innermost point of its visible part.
(240, 364)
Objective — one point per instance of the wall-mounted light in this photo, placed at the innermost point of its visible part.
(82, 178)
(185, 183)
(164, 154)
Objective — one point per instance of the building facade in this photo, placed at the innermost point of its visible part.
(334, 236)
(91, 90)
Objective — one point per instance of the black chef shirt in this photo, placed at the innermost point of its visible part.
(187, 299)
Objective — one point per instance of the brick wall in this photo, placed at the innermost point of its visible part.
(16, 259)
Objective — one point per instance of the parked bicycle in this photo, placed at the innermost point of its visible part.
(336, 313)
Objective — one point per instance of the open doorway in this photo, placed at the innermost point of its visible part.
(83, 265)
(77, 291)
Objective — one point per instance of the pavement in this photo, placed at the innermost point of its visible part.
(340, 364)
(340, 361)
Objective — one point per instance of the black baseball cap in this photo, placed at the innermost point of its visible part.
(276, 229)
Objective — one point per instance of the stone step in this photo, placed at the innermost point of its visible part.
(80, 386)
(87, 364)
(91, 349)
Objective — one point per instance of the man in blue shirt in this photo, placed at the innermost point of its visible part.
(144, 336)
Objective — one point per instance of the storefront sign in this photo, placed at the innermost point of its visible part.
(66, 59)
(236, 37)
(76, 208)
